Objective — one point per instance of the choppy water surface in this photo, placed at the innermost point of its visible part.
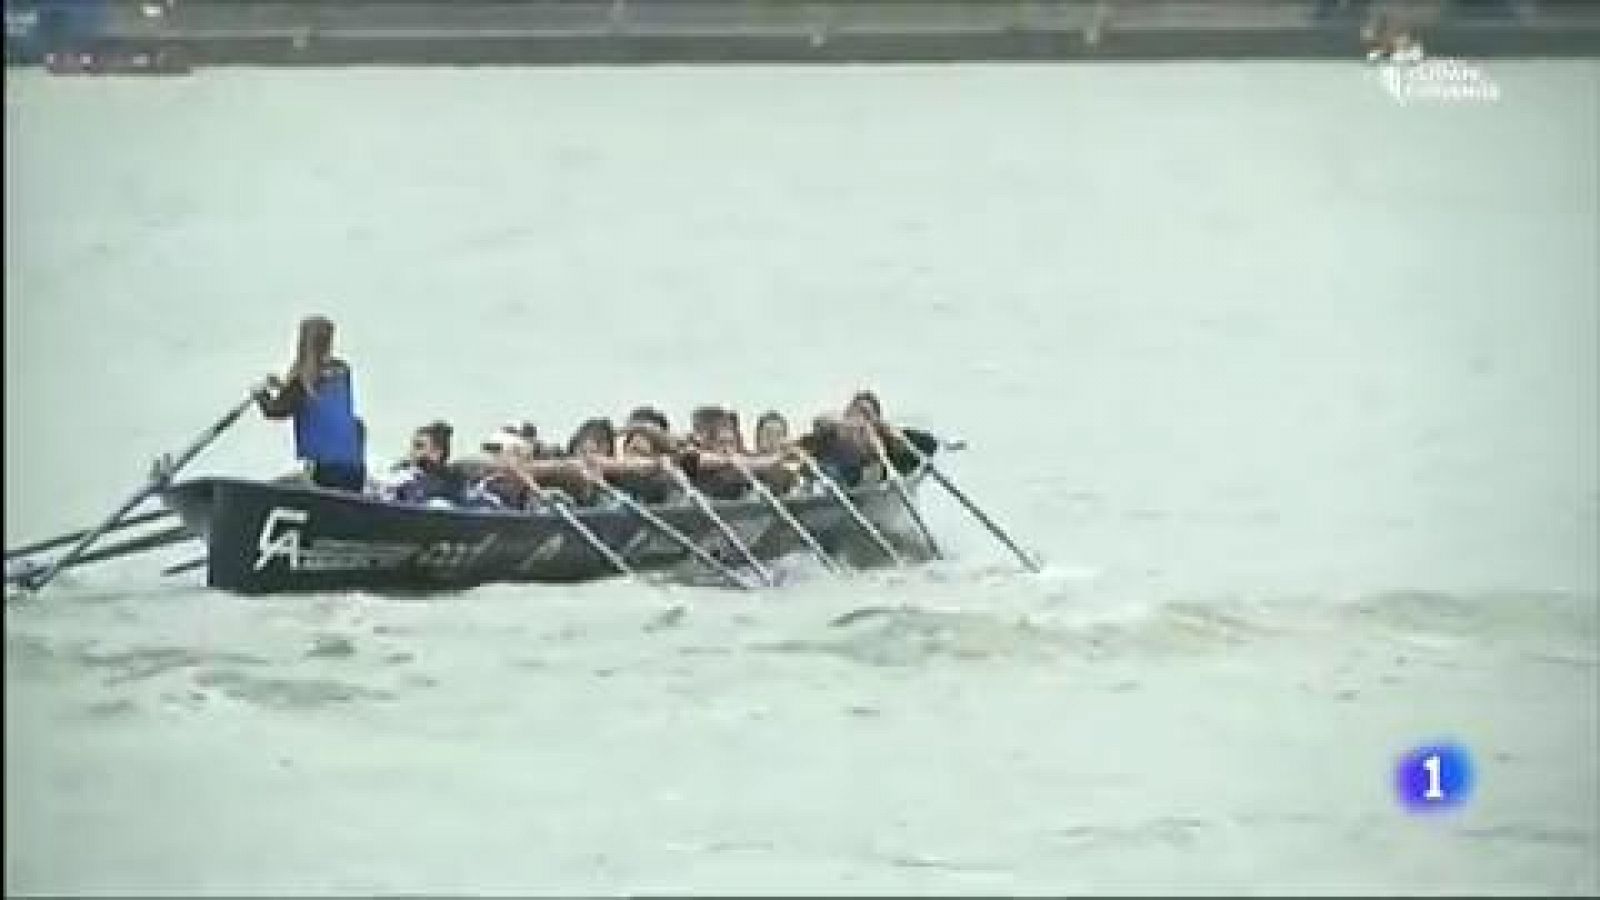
(1293, 388)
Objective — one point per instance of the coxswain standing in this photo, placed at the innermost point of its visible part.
(318, 393)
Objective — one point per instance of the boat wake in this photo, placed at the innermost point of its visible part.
(188, 648)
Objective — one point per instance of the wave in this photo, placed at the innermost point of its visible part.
(315, 651)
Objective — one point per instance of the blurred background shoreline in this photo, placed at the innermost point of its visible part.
(564, 32)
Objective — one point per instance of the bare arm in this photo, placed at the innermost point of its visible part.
(553, 468)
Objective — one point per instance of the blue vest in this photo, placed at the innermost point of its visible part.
(325, 425)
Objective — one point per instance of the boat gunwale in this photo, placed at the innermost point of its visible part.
(751, 501)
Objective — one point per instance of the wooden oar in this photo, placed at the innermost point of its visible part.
(62, 540)
(123, 548)
(721, 524)
(784, 514)
(898, 484)
(151, 541)
(571, 518)
(666, 528)
(1027, 561)
(862, 522)
(158, 480)
(182, 567)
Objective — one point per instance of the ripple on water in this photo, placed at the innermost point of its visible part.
(1478, 613)
(909, 635)
(289, 693)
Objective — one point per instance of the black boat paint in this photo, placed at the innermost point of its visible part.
(265, 538)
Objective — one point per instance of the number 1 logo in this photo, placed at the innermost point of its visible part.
(1434, 777)
(1434, 791)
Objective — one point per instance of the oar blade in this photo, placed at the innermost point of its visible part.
(62, 540)
(183, 567)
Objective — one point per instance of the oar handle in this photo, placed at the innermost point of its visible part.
(211, 434)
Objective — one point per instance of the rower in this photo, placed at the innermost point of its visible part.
(639, 470)
(425, 476)
(595, 438)
(842, 449)
(719, 437)
(648, 416)
(527, 434)
(772, 430)
(775, 461)
(317, 393)
(594, 442)
(494, 484)
(717, 462)
(865, 408)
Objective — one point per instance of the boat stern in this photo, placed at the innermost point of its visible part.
(194, 501)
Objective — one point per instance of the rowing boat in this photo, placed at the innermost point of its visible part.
(271, 537)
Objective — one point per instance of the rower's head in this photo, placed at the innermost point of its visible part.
(725, 435)
(648, 415)
(512, 443)
(644, 440)
(703, 422)
(430, 445)
(864, 405)
(634, 443)
(772, 429)
(313, 349)
(596, 437)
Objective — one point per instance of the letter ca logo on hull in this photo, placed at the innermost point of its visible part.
(274, 543)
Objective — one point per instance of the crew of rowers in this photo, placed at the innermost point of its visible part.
(646, 461)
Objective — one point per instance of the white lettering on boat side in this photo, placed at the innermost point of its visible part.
(476, 551)
(282, 537)
(661, 545)
(287, 544)
(334, 556)
(634, 542)
(547, 549)
(454, 554)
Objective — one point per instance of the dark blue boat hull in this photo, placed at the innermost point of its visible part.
(271, 537)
